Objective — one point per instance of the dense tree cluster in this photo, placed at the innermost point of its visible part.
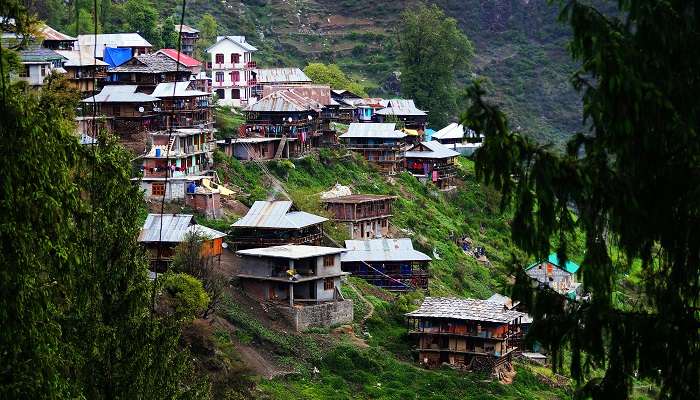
(332, 75)
(630, 186)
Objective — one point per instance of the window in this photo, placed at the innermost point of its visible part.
(219, 58)
(328, 261)
(235, 58)
(158, 189)
(24, 72)
(235, 76)
(328, 284)
(235, 93)
(220, 93)
(219, 76)
(43, 70)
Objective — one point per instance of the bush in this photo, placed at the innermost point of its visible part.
(186, 295)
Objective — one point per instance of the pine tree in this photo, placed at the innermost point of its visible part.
(630, 186)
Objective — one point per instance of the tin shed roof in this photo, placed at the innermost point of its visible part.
(276, 214)
(401, 107)
(284, 101)
(184, 59)
(120, 94)
(77, 58)
(132, 40)
(281, 75)
(570, 266)
(451, 131)
(465, 309)
(373, 130)
(378, 250)
(48, 33)
(176, 89)
(291, 251)
(174, 229)
(185, 29)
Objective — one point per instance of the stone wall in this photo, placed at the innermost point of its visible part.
(320, 315)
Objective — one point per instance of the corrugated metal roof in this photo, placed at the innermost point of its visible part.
(185, 29)
(276, 214)
(39, 55)
(291, 251)
(432, 150)
(382, 250)
(451, 131)
(76, 58)
(120, 94)
(400, 107)
(181, 89)
(86, 42)
(174, 229)
(373, 130)
(281, 75)
(48, 33)
(284, 101)
(570, 266)
(465, 309)
(176, 56)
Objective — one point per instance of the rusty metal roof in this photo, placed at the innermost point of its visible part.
(276, 214)
(48, 33)
(465, 309)
(318, 93)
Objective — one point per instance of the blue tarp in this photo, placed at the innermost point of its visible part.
(116, 56)
(429, 134)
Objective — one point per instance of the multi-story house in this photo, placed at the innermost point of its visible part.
(232, 68)
(188, 38)
(126, 112)
(147, 71)
(466, 333)
(303, 282)
(391, 264)
(406, 112)
(432, 162)
(84, 72)
(379, 143)
(272, 223)
(556, 275)
(365, 215)
(37, 64)
(199, 77)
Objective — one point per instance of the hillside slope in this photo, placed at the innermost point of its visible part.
(520, 47)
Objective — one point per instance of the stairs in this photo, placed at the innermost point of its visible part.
(171, 142)
(280, 149)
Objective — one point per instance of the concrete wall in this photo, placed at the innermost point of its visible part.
(322, 315)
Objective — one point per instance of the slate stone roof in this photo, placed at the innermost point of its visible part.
(465, 309)
(156, 63)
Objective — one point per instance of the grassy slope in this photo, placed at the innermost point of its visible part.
(384, 369)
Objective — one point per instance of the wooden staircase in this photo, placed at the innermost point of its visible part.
(280, 149)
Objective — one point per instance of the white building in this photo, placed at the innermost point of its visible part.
(232, 68)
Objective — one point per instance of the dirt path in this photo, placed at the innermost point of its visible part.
(369, 305)
(257, 363)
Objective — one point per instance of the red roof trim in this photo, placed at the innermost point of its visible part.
(185, 60)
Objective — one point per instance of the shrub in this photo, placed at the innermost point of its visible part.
(186, 294)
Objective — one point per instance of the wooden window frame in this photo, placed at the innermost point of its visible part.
(329, 284)
(328, 260)
(217, 57)
(158, 189)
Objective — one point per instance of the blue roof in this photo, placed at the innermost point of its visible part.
(116, 56)
(570, 266)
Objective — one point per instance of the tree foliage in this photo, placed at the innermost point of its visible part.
(630, 185)
(432, 50)
(187, 293)
(75, 305)
(332, 75)
(208, 29)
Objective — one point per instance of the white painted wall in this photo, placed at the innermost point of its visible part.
(227, 48)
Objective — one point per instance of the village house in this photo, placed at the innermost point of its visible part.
(466, 333)
(365, 215)
(272, 223)
(160, 236)
(346, 108)
(283, 114)
(525, 322)
(379, 143)
(83, 70)
(205, 200)
(329, 112)
(183, 106)
(37, 64)
(232, 69)
(55, 40)
(432, 162)
(147, 71)
(127, 113)
(302, 281)
(390, 264)
(560, 277)
(133, 42)
(188, 38)
(199, 78)
(458, 138)
(406, 112)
